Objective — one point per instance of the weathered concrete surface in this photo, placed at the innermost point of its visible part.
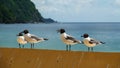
(33, 58)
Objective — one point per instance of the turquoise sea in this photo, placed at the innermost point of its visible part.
(106, 32)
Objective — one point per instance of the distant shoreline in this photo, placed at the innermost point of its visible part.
(67, 23)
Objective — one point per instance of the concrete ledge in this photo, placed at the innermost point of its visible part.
(34, 58)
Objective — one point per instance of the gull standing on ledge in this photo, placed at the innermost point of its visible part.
(32, 38)
(21, 40)
(67, 39)
(90, 42)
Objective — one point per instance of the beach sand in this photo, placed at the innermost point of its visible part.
(37, 58)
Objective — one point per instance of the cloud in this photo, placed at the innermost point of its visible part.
(77, 10)
(117, 2)
(61, 5)
(116, 9)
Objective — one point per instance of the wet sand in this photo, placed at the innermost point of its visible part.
(37, 58)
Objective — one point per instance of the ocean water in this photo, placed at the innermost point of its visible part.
(106, 32)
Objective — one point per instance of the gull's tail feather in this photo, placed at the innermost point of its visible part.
(79, 42)
(102, 42)
(45, 39)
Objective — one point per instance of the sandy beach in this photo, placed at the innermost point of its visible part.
(36, 58)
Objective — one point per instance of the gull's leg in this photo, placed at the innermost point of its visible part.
(19, 46)
(66, 47)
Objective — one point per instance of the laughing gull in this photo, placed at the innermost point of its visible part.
(21, 40)
(90, 42)
(32, 38)
(67, 39)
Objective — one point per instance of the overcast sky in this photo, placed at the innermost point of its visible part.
(80, 10)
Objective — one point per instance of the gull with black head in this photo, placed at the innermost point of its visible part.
(90, 42)
(21, 40)
(32, 39)
(67, 39)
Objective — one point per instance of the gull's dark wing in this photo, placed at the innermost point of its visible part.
(36, 38)
(71, 38)
(93, 41)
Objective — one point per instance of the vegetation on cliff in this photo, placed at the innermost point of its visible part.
(18, 11)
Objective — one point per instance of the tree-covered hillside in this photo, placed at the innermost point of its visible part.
(18, 11)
